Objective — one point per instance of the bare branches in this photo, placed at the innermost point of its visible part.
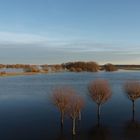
(61, 98)
(132, 89)
(75, 106)
(66, 100)
(99, 91)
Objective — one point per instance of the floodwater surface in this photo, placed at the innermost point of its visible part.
(27, 113)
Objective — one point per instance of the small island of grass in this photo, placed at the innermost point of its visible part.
(79, 66)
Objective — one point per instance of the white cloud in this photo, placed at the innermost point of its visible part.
(22, 40)
(11, 37)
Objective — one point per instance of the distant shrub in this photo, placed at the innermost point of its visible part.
(82, 66)
(2, 73)
(2, 66)
(32, 69)
(45, 67)
(110, 67)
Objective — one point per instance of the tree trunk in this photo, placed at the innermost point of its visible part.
(62, 119)
(133, 110)
(73, 127)
(98, 116)
(79, 115)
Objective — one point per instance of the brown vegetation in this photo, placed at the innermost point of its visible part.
(110, 67)
(32, 69)
(75, 106)
(100, 92)
(67, 101)
(2, 73)
(132, 89)
(45, 68)
(82, 66)
(17, 66)
(56, 68)
(2, 66)
(61, 98)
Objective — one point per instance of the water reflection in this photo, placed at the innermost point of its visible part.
(132, 130)
(61, 136)
(61, 133)
(99, 132)
(26, 112)
(132, 127)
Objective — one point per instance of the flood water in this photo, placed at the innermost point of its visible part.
(27, 113)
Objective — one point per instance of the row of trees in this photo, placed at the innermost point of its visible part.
(88, 66)
(69, 103)
(17, 66)
(71, 66)
(74, 66)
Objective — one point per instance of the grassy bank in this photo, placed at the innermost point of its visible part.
(19, 74)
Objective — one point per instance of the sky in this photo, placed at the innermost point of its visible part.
(58, 31)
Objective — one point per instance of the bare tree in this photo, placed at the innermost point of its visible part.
(61, 98)
(132, 89)
(74, 110)
(81, 104)
(100, 92)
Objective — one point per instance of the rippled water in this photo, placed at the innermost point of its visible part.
(26, 111)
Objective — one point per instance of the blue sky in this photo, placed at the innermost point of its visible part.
(57, 31)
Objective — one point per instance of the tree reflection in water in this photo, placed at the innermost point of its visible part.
(61, 135)
(99, 132)
(132, 130)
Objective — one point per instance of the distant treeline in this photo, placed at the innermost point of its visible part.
(89, 67)
(17, 66)
(82, 66)
(128, 66)
(78, 66)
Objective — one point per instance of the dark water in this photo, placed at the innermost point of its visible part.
(26, 111)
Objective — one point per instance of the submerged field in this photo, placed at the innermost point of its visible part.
(28, 113)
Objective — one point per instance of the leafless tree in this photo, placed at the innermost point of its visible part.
(61, 98)
(100, 92)
(81, 104)
(74, 110)
(132, 89)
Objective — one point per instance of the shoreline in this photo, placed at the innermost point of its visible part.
(35, 73)
(21, 74)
